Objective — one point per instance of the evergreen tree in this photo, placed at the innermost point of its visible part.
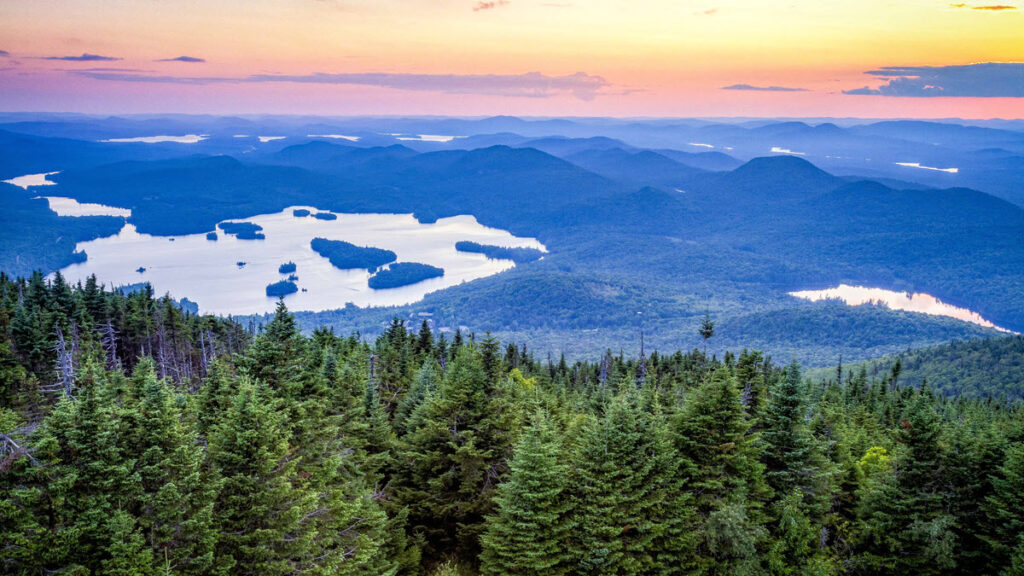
(456, 447)
(632, 515)
(721, 461)
(904, 523)
(1005, 508)
(262, 508)
(529, 530)
(177, 502)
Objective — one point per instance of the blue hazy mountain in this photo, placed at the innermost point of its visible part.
(638, 216)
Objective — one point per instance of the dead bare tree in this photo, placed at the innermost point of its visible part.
(11, 451)
(606, 365)
(109, 340)
(641, 369)
(64, 365)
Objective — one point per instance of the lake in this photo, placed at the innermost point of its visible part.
(207, 272)
(186, 139)
(932, 168)
(71, 207)
(24, 182)
(910, 302)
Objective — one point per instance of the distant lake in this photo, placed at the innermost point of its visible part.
(207, 272)
(27, 180)
(442, 138)
(71, 207)
(335, 136)
(780, 150)
(932, 168)
(186, 139)
(915, 302)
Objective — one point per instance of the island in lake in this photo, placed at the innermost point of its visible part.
(242, 230)
(517, 255)
(404, 274)
(346, 256)
(281, 289)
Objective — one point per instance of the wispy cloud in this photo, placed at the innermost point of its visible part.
(4, 53)
(529, 85)
(990, 7)
(101, 69)
(86, 57)
(763, 88)
(489, 5)
(985, 80)
(708, 12)
(191, 59)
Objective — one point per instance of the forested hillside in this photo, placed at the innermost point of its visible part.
(139, 439)
(653, 220)
(991, 366)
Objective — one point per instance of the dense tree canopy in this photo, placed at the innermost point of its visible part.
(137, 438)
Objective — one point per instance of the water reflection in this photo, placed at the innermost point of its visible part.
(24, 182)
(910, 302)
(207, 271)
(72, 207)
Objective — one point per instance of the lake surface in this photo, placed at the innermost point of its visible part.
(932, 168)
(207, 272)
(71, 207)
(335, 136)
(910, 302)
(24, 182)
(186, 139)
(441, 138)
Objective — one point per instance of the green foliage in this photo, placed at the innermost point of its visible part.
(532, 523)
(517, 255)
(404, 274)
(345, 255)
(411, 455)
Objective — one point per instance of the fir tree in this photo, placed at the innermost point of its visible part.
(528, 533)
(262, 508)
(720, 460)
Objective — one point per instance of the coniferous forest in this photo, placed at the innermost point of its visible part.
(138, 438)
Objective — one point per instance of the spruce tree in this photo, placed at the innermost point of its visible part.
(1005, 507)
(532, 524)
(903, 521)
(721, 462)
(632, 515)
(262, 509)
(456, 448)
(179, 490)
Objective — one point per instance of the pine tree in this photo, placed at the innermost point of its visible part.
(456, 448)
(262, 508)
(178, 489)
(632, 514)
(904, 525)
(796, 546)
(422, 387)
(721, 462)
(528, 533)
(1005, 507)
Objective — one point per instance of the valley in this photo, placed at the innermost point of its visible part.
(643, 231)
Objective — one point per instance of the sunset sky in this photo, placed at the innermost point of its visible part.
(525, 57)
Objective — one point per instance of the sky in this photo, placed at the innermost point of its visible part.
(627, 58)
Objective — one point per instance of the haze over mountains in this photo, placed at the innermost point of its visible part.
(649, 223)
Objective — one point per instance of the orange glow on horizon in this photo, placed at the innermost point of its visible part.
(659, 58)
